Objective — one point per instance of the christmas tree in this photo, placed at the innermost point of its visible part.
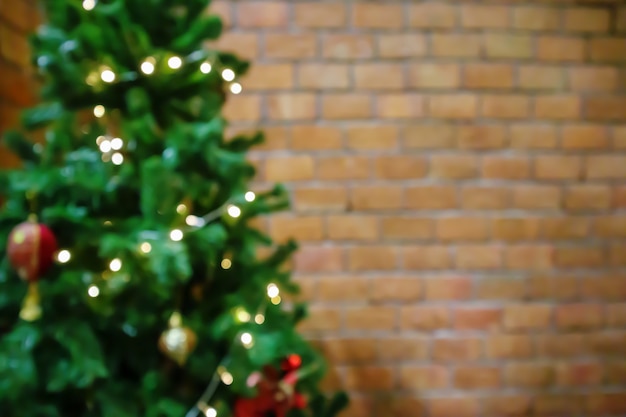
(133, 282)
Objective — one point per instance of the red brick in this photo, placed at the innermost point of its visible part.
(457, 406)
(557, 404)
(319, 259)
(476, 377)
(454, 166)
(327, 198)
(488, 76)
(313, 14)
(542, 77)
(587, 19)
(289, 168)
(533, 136)
(346, 106)
(568, 228)
(606, 403)
(605, 108)
(509, 347)
(321, 319)
(548, 287)
(348, 350)
(507, 405)
(403, 348)
(431, 197)
(457, 349)
(560, 49)
(290, 46)
(537, 197)
(587, 197)
(22, 15)
(461, 228)
(425, 136)
(527, 316)
(558, 167)
(374, 197)
(257, 14)
(610, 288)
(529, 375)
(453, 106)
(515, 229)
(368, 378)
(505, 106)
(606, 167)
(363, 258)
(579, 316)
(300, 228)
(399, 289)
(427, 257)
(558, 107)
(506, 168)
(508, 45)
(424, 75)
(561, 345)
(481, 257)
(424, 377)
(244, 44)
(334, 288)
(372, 137)
(615, 372)
(595, 78)
(396, 45)
(291, 106)
(536, 18)
(500, 289)
(353, 227)
(477, 318)
(529, 257)
(399, 167)
(407, 228)
(608, 49)
(377, 16)
(448, 288)
(485, 197)
(311, 137)
(399, 106)
(371, 318)
(480, 16)
(432, 15)
(425, 318)
(456, 45)
(323, 77)
(610, 226)
(14, 46)
(581, 257)
(345, 46)
(343, 167)
(379, 76)
(585, 137)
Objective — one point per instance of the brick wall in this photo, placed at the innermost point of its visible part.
(459, 185)
(17, 88)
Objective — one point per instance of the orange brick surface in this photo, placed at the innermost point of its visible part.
(458, 172)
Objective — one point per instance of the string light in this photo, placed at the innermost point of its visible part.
(99, 140)
(259, 319)
(147, 66)
(176, 235)
(272, 291)
(234, 211)
(225, 376)
(175, 62)
(247, 340)
(228, 75)
(93, 291)
(276, 300)
(210, 412)
(205, 68)
(115, 265)
(242, 315)
(89, 5)
(145, 247)
(250, 196)
(117, 144)
(181, 209)
(117, 158)
(194, 221)
(226, 263)
(235, 88)
(64, 256)
(99, 111)
(107, 76)
(105, 146)
(92, 78)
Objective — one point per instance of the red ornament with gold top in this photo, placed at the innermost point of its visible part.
(31, 249)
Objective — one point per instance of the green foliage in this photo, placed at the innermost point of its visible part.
(96, 355)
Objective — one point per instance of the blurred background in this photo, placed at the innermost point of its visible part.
(458, 173)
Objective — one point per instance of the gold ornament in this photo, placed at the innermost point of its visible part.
(178, 341)
(31, 310)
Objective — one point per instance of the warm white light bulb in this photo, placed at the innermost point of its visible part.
(234, 211)
(107, 76)
(117, 144)
(259, 319)
(181, 209)
(89, 4)
(64, 256)
(246, 339)
(93, 291)
(175, 62)
(242, 315)
(99, 111)
(235, 88)
(196, 221)
(250, 196)
(176, 235)
(226, 263)
(226, 377)
(100, 139)
(276, 300)
(105, 146)
(228, 74)
(205, 68)
(117, 158)
(210, 412)
(147, 66)
(145, 247)
(272, 291)
(115, 265)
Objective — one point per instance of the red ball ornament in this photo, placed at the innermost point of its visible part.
(31, 249)
(292, 362)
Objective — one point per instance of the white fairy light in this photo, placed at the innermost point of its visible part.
(147, 66)
(259, 319)
(115, 265)
(234, 211)
(235, 88)
(205, 68)
(226, 263)
(105, 146)
(107, 76)
(250, 196)
(242, 315)
(145, 247)
(210, 412)
(100, 139)
(228, 75)
(99, 111)
(117, 158)
(175, 62)
(117, 144)
(196, 221)
(93, 291)
(89, 5)
(226, 377)
(176, 235)
(272, 291)
(64, 256)
(276, 300)
(246, 340)
(181, 209)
